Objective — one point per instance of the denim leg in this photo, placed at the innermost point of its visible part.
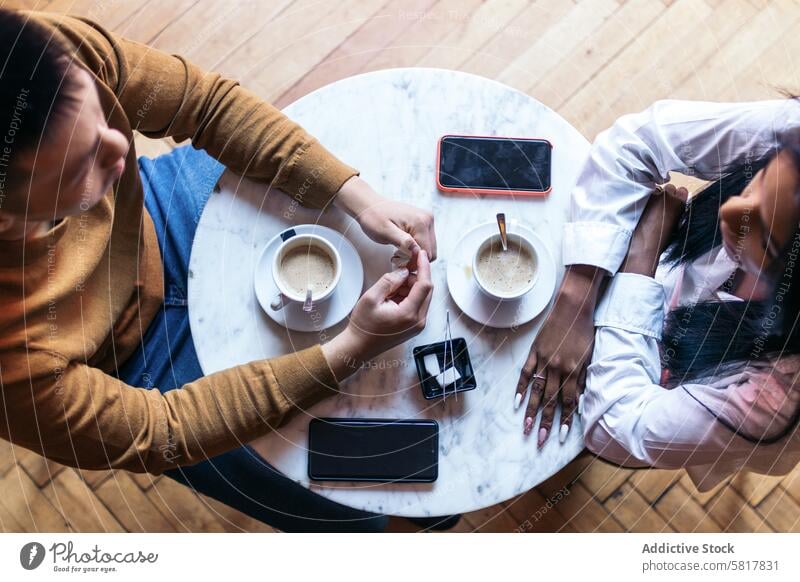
(177, 186)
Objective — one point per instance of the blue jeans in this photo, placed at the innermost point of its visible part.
(176, 187)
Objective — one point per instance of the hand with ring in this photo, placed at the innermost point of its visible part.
(556, 365)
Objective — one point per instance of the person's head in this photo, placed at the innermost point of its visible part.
(58, 156)
(753, 211)
(760, 221)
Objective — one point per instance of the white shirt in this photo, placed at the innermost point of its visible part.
(628, 417)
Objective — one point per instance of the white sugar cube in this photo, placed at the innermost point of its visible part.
(447, 377)
(431, 363)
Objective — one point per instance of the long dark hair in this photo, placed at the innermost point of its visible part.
(703, 339)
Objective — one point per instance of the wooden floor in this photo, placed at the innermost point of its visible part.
(590, 60)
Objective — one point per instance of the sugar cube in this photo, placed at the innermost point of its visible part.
(431, 363)
(447, 377)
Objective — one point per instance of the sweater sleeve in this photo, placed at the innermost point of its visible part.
(165, 95)
(77, 415)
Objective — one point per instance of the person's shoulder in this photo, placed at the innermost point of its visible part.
(55, 21)
(89, 42)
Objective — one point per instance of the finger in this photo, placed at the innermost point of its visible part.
(427, 240)
(569, 402)
(412, 262)
(404, 290)
(549, 401)
(537, 392)
(425, 305)
(423, 310)
(525, 375)
(387, 285)
(401, 239)
(423, 286)
(681, 193)
(399, 295)
(581, 389)
(433, 242)
(675, 204)
(410, 281)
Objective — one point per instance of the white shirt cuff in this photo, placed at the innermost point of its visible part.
(595, 243)
(634, 303)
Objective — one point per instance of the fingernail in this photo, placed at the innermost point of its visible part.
(517, 400)
(528, 425)
(562, 434)
(580, 404)
(542, 436)
(402, 272)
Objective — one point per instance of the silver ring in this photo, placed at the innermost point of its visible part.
(540, 377)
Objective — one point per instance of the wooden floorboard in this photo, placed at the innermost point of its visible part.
(590, 60)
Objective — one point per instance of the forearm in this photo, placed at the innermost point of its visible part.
(254, 139)
(349, 351)
(581, 286)
(222, 411)
(91, 420)
(654, 231)
(640, 150)
(344, 354)
(622, 379)
(355, 196)
(166, 95)
(628, 416)
(642, 257)
(623, 166)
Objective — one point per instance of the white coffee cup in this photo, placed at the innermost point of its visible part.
(514, 239)
(288, 294)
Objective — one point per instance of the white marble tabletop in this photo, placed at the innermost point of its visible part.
(387, 125)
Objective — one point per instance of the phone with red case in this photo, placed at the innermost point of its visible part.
(494, 165)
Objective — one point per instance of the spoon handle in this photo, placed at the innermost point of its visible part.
(307, 305)
(501, 222)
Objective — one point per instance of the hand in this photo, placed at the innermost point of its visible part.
(652, 233)
(558, 357)
(386, 221)
(390, 312)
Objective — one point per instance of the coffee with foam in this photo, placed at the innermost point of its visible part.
(505, 272)
(307, 266)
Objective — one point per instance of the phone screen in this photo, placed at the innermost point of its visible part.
(342, 449)
(494, 163)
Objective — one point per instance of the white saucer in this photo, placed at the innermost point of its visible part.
(327, 313)
(482, 308)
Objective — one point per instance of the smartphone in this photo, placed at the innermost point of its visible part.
(494, 165)
(364, 449)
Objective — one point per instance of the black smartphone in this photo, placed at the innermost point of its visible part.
(371, 449)
(494, 165)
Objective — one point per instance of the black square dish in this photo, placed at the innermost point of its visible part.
(457, 355)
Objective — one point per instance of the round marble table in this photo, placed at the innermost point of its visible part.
(387, 124)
